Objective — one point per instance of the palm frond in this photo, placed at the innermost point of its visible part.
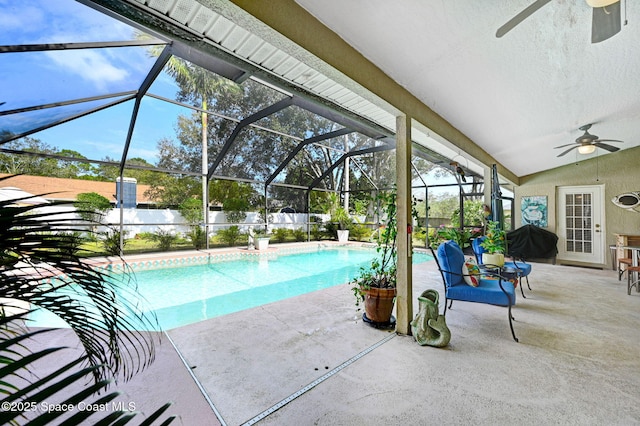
(39, 266)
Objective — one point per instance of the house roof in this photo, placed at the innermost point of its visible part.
(67, 189)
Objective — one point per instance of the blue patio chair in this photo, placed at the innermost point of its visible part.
(522, 268)
(492, 289)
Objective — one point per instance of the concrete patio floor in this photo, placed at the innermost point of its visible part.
(578, 360)
(310, 360)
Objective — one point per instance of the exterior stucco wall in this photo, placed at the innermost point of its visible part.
(619, 172)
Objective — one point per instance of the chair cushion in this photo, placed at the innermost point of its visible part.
(477, 248)
(488, 291)
(451, 258)
(471, 272)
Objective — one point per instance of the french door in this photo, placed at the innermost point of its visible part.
(581, 233)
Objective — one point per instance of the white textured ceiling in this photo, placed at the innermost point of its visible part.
(517, 96)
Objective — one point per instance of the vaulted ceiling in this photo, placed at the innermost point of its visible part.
(518, 96)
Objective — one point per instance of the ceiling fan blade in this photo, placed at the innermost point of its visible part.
(564, 152)
(609, 148)
(530, 10)
(606, 22)
(562, 146)
(608, 140)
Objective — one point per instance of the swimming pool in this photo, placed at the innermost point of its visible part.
(188, 294)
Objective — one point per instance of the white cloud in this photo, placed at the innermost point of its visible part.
(89, 65)
(16, 17)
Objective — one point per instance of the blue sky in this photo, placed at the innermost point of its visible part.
(34, 78)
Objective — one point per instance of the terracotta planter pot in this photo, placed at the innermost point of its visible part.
(378, 304)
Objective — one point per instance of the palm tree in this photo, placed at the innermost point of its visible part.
(39, 268)
(194, 80)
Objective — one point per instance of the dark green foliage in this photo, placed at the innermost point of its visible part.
(230, 236)
(280, 234)
(191, 210)
(381, 273)
(473, 214)
(145, 236)
(92, 206)
(317, 232)
(342, 218)
(165, 239)
(111, 242)
(299, 234)
(235, 216)
(359, 232)
(198, 237)
(73, 241)
(32, 245)
(330, 230)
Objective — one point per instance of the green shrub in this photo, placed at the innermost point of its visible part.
(280, 234)
(359, 232)
(71, 242)
(330, 230)
(230, 235)
(299, 234)
(316, 232)
(197, 237)
(165, 239)
(147, 236)
(111, 242)
(91, 206)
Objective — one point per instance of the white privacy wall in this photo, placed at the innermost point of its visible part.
(137, 221)
(140, 220)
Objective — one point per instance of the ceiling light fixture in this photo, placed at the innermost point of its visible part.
(586, 149)
(601, 3)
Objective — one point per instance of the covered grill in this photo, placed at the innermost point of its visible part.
(532, 242)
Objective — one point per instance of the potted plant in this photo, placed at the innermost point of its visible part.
(376, 284)
(462, 237)
(341, 216)
(261, 238)
(494, 244)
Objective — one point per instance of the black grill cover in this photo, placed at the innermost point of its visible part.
(532, 242)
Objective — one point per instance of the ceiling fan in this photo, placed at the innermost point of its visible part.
(605, 22)
(587, 143)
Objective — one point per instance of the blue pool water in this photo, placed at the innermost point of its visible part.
(185, 295)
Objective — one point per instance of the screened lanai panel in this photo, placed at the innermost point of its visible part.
(298, 122)
(30, 79)
(169, 136)
(59, 21)
(351, 142)
(255, 154)
(255, 97)
(17, 124)
(184, 81)
(95, 136)
(286, 200)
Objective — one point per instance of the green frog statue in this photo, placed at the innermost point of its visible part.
(429, 327)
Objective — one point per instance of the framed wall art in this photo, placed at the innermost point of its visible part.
(534, 210)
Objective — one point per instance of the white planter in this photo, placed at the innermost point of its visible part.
(262, 243)
(493, 259)
(343, 235)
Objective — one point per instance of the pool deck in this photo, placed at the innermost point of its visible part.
(311, 360)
